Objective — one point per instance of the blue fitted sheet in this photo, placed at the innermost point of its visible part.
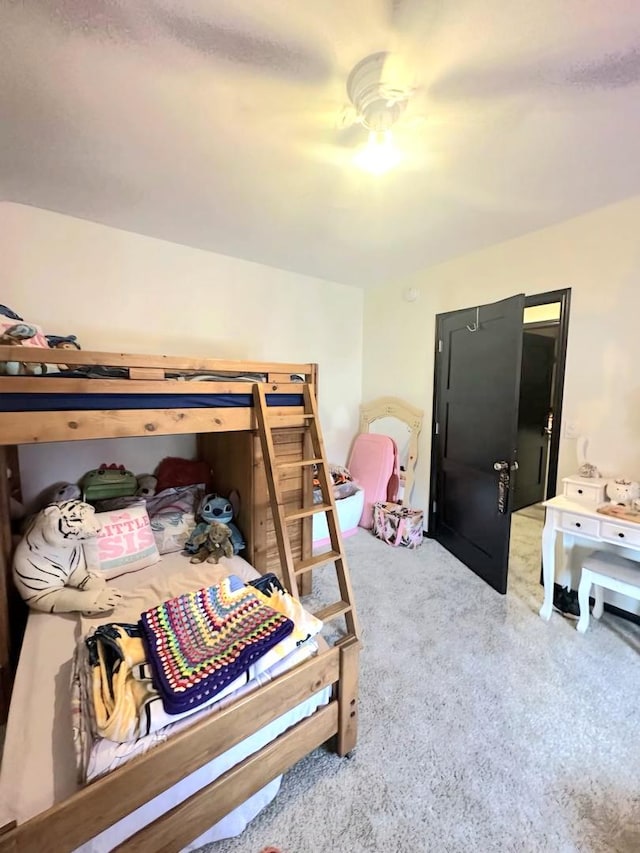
(62, 402)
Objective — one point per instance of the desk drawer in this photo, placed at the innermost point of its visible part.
(585, 492)
(580, 524)
(619, 534)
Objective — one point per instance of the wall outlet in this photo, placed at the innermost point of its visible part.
(570, 429)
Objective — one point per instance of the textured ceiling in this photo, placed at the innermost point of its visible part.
(213, 124)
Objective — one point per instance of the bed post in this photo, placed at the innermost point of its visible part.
(5, 565)
(348, 696)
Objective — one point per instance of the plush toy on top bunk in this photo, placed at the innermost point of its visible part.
(219, 509)
(50, 568)
(15, 332)
(63, 342)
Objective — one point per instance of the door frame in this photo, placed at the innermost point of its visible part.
(563, 296)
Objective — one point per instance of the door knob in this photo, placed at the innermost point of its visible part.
(503, 466)
(504, 470)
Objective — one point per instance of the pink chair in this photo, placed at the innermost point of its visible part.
(372, 464)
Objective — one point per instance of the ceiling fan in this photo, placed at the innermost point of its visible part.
(382, 96)
(252, 37)
(376, 104)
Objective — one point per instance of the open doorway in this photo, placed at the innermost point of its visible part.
(544, 343)
(537, 413)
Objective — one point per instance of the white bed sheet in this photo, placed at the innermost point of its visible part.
(38, 763)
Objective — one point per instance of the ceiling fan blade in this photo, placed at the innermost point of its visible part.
(142, 22)
(406, 17)
(293, 58)
(614, 71)
(103, 19)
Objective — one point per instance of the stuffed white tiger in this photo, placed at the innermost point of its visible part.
(50, 567)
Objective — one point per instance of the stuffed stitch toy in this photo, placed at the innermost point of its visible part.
(214, 508)
(214, 543)
(50, 567)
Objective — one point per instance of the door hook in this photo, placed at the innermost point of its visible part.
(476, 325)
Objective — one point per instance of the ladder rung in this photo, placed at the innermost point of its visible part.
(301, 463)
(274, 421)
(318, 560)
(333, 611)
(305, 513)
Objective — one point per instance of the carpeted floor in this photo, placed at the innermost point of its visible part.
(481, 727)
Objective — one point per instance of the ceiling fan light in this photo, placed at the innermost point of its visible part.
(379, 155)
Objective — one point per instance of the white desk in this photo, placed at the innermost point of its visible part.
(574, 521)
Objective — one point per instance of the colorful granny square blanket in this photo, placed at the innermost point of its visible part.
(199, 642)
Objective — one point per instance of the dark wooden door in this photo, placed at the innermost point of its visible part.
(536, 385)
(476, 397)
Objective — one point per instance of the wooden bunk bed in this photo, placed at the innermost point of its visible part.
(108, 395)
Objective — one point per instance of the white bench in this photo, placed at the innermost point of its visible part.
(605, 570)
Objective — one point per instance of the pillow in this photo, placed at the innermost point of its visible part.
(173, 516)
(172, 529)
(184, 498)
(125, 542)
(174, 471)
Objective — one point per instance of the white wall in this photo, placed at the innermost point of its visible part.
(119, 291)
(598, 256)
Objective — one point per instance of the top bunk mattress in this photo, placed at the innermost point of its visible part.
(69, 402)
(106, 395)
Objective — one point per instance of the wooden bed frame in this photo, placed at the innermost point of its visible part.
(228, 438)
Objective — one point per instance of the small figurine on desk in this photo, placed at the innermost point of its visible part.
(585, 469)
(622, 491)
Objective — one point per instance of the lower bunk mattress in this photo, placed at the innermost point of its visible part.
(39, 767)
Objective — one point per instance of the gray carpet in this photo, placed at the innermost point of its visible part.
(481, 727)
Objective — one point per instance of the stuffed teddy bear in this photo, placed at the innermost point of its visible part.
(146, 485)
(50, 567)
(213, 543)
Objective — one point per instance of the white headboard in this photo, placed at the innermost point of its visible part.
(393, 407)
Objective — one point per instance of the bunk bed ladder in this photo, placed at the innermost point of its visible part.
(284, 516)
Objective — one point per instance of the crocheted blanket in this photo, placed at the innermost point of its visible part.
(199, 642)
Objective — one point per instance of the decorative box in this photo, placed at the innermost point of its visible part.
(398, 525)
(585, 490)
